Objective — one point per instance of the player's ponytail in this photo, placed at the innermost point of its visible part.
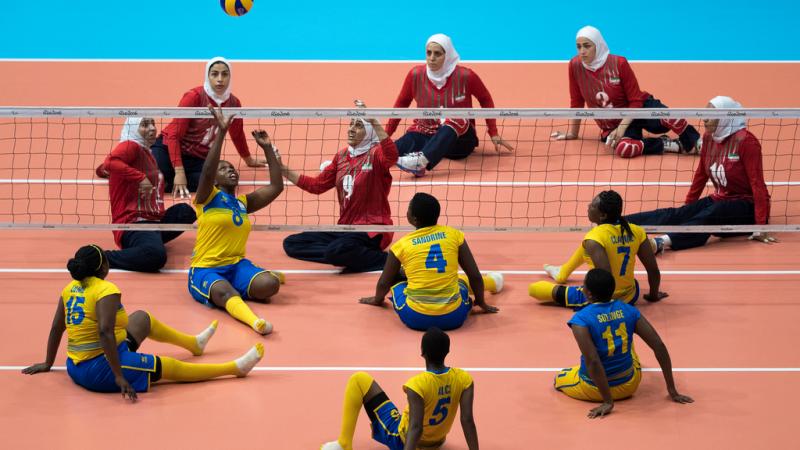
(611, 205)
(87, 262)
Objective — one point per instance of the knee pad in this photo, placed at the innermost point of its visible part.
(678, 126)
(629, 148)
(460, 126)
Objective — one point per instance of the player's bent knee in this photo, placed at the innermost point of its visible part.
(629, 148)
(363, 380)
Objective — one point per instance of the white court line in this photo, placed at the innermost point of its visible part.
(82, 181)
(504, 272)
(479, 369)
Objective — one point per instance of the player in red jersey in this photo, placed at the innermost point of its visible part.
(441, 83)
(136, 192)
(183, 145)
(360, 174)
(598, 79)
(731, 158)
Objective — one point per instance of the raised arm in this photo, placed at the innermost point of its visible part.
(387, 154)
(206, 184)
(53, 341)
(263, 196)
(648, 259)
(596, 370)
(467, 419)
(653, 340)
(467, 262)
(388, 277)
(416, 414)
(107, 308)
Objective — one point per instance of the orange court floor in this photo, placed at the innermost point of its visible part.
(729, 321)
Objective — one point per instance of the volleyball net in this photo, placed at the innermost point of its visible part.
(48, 158)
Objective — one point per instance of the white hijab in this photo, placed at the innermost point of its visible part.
(451, 59)
(130, 131)
(370, 139)
(727, 127)
(220, 99)
(601, 55)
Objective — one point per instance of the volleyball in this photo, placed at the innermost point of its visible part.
(236, 8)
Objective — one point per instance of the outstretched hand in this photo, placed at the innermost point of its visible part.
(654, 298)
(223, 122)
(763, 237)
(374, 301)
(499, 142)
(600, 411)
(37, 368)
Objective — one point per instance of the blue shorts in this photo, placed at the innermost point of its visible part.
(577, 299)
(421, 322)
(385, 425)
(96, 375)
(239, 275)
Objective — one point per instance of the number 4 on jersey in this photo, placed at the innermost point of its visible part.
(435, 259)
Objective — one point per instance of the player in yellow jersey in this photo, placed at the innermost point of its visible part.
(434, 295)
(609, 368)
(612, 245)
(220, 275)
(102, 338)
(434, 397)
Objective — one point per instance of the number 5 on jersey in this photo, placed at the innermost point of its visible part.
(439, 412)
(435, 259)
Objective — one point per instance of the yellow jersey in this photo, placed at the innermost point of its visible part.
(430, 259)
(441, 394)
(222, 230)
(80, 307)
(621, 253)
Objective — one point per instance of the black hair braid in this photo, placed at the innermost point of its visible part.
(611, 205)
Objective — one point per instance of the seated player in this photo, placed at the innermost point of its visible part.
(613, 245)
(360, 173)
(183, 145)
(601, 80)
(434, 294)
(441, 83)
(220, 275)
(609, 368)
(136, 191)
(102, 338)
(731, 158)
(433, 400)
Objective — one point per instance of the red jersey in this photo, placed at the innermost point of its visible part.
(362, 185)
(194, 136)
(127, 165)
(457, 92)
(735, 169)
(612, 86)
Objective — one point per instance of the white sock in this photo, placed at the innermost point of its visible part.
(205, 336)
(262, 326)
(333, 445)
(246, 362)
(552, 270)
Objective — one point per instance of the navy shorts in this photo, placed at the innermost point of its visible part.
(385, 425)
(96, 375)
(239, 275)
(421, 322)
